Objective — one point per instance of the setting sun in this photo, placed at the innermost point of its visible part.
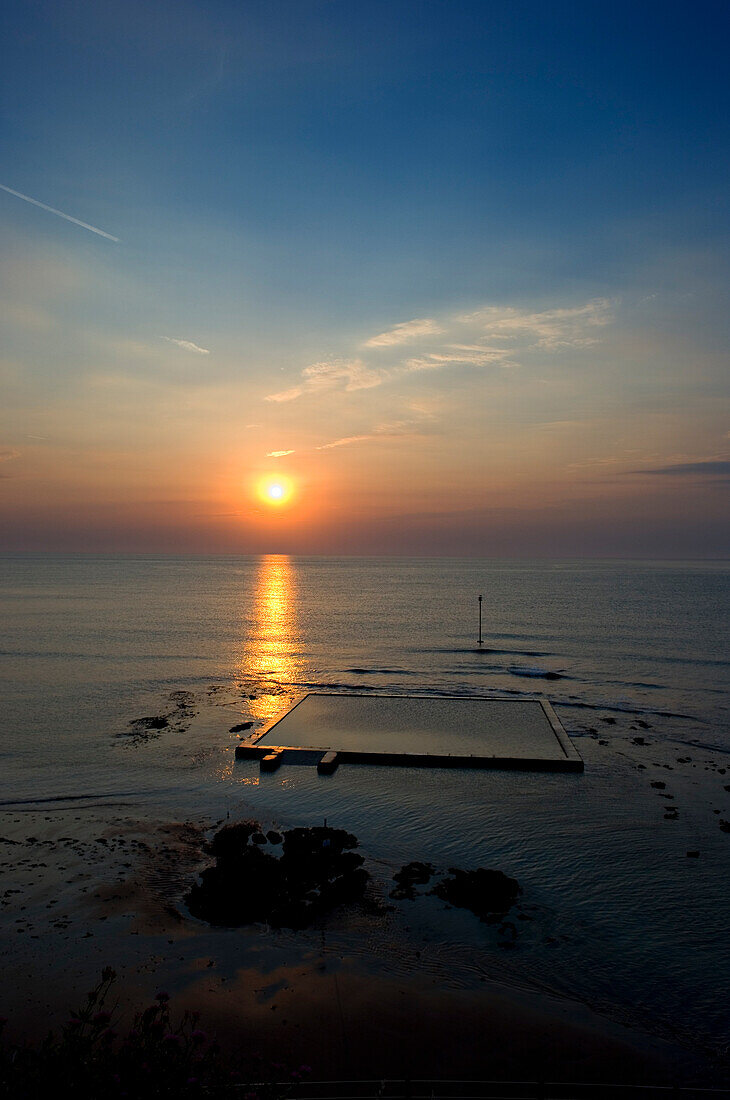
(275, 491)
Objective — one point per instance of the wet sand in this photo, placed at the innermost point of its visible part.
(346, 1024)
(90, 886)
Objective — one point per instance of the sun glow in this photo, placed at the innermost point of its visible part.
(275, 490)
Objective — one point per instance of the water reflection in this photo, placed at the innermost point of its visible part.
(271, 656)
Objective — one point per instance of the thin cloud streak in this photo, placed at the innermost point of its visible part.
(405, 331)
(59, 213)
(475, 357)
(687, 469)
(494, 336)
(186, 345)
(345, 441)
(278, 454)
(390, 429)
(321, 376)
(548, 329)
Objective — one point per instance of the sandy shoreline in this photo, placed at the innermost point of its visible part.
(86, 887)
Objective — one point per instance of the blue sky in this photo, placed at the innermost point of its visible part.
(545, 185)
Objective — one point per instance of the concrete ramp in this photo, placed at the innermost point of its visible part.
(421, 731)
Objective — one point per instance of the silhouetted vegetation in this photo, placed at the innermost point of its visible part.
(156, 1057)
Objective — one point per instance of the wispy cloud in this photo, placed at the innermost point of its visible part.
(59, 213)
(494, 336)
(391, 428)
(186, 345)
(405, 331)
(549, 329)
(346, 440)
(717, 467)
(278, 454)
(286, 395)
(474, 356)
(6, 454)
(325, 375)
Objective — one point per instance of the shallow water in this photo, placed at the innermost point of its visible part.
(621, 917)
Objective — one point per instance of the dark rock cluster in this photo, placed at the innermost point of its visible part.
(488, 894)
(176, 718)
(411, 875)
(316, 871)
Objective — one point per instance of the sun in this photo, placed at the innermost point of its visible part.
(275, 490)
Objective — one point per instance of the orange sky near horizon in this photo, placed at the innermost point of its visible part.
(483, 312)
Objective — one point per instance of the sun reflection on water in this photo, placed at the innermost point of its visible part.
(270, 656)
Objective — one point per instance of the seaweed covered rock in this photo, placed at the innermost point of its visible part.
(316, 871)
(230, 841)
(411, 875)
(488, 894)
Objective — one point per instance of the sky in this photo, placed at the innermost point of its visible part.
(452, 274)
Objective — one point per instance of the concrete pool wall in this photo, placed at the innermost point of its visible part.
(417, 731)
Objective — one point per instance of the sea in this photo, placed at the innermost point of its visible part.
(123, 678)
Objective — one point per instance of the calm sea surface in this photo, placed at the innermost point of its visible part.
(621, 917)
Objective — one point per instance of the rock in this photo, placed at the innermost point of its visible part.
(602, 741)
(230, 841)
(240, 727)
(273, 837)
(724, 825)
(411, 875)
(609, 721)
(315, 872)
(642, 724)
(638, 740)
(144, 729)
(658, 784)
(487, 893)
(156, 722)
(692, 855)
(258, 838)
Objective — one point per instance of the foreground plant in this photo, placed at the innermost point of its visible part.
(156, 1058)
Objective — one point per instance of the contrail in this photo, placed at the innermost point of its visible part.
(52, 210)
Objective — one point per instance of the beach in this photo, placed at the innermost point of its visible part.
(88, 890)
(121, 773)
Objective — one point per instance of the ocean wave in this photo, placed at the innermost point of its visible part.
(538, 673)
(623, 708)
(487, 650)
(383, 671)
(100, 795)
